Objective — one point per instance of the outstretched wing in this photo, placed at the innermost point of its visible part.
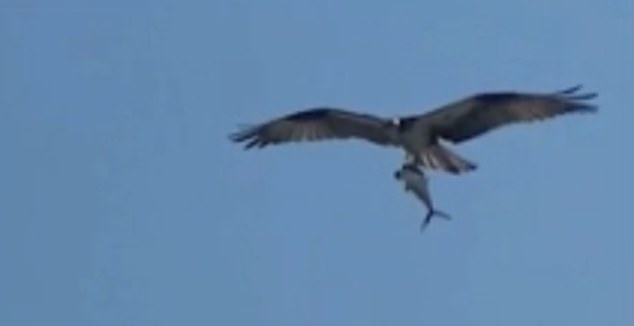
(475, 115)
(317, 124)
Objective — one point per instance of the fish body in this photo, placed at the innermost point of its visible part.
(417, 183)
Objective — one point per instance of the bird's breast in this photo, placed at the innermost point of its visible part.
(415, 139)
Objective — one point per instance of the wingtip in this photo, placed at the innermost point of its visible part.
(591, 109)
(243, 133)
(233, 137)
(246, 134)
(570, 90)
(570, 93)
(583, 97)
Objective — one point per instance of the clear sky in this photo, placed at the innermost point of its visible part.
(122, 202)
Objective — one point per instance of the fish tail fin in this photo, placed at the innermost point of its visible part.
(430, 215)
(426, 221)
(441, 214)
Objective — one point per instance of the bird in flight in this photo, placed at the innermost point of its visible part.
(420, 135)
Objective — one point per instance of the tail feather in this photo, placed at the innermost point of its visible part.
(438, 157)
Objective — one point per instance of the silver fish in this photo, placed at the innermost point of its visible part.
(416, 182)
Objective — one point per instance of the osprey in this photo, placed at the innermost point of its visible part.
(417, 183)
(420, 135)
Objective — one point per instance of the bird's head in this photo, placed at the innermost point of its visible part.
(396, 121)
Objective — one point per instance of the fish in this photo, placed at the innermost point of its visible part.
(417, 183)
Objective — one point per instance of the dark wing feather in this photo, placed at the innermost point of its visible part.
(481, 113)
(314, 125)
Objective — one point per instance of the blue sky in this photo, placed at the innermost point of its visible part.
(123, 203)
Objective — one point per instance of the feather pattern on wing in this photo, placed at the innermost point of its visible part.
(317, 124)
(478, 114)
